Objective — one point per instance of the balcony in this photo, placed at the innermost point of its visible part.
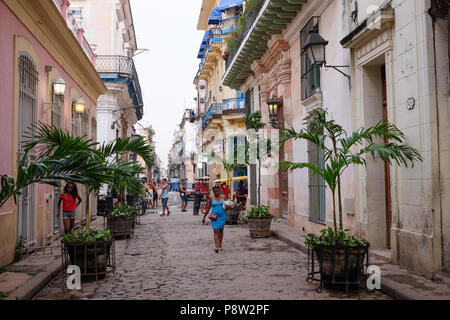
(267, 18)
(211, 53)
(229, 25)
(233, 106)
(214, 112)
(114, 65)
(121, 69)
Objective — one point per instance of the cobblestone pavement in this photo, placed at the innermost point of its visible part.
(173, 258)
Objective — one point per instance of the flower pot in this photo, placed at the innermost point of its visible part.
(120, 226)
(259, 227)
(92, 258)
(232, 216)
(341, 266)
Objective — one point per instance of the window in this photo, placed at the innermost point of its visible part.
(76, 121)
(78, 16)
(310, 73)
(85, 125)
(57, 110)
(250, 101)
(94, 130)
(317, 185)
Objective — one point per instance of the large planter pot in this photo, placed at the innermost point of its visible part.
(341, 266)
(93, 259)
(259, 227)
(232, 216)
(120, 226)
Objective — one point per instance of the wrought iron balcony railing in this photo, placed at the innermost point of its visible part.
(233, 105)
(215, 110)
(229, 24)
(114, 64)
(250, 19)
(124, 67)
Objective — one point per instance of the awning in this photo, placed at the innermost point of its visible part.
(243, 178)
(215, 17)
(227, 4)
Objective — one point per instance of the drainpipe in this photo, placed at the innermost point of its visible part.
(434, 18)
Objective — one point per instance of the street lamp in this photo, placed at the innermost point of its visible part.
(315, 51)
(273, 104)
(79, 105)
(59, 87)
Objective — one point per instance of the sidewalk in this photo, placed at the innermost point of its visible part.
(395, 281)
(25, 278)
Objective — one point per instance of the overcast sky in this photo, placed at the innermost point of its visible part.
(166, 72)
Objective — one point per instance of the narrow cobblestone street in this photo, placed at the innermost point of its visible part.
(173, 258)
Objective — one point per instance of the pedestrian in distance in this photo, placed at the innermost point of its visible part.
(69, 204)
(149, 195)
(155, 195)
(241, 195)
(218, 216)
(165, 197)
(225, 190)
(183, 195)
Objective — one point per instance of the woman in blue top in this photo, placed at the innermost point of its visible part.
(165, 197)
(216, 203)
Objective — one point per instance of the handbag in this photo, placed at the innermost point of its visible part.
(213, 217)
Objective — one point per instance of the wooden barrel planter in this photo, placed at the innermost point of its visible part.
(259, 227)
(232, 216)
(120, 226)
(95, 260)
(341, 267)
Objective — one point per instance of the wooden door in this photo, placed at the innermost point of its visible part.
(283, 178)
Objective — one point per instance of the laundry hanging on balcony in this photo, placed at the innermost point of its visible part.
(227, 4)
(215, 17)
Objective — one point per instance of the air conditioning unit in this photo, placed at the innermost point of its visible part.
(202, 86)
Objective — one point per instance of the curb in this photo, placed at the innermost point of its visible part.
(389, 287)
(30, 288)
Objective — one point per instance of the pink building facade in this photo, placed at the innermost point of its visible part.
(34, 56)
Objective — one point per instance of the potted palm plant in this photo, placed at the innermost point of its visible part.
(259, 221)
(120, 222)
(340, 254)
(259, 217)
(62, 157)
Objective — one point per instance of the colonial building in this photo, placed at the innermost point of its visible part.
(220, 109)
(109, 27)
(384, 61)
(47, 70)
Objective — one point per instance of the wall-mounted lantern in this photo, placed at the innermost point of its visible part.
(79, 105)
(59, 87)
(315, 51)
(273, 104)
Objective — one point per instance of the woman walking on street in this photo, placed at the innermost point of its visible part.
(69, 204)
(216, 203)
(165, 197)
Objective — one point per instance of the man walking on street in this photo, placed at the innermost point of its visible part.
(183, 195)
